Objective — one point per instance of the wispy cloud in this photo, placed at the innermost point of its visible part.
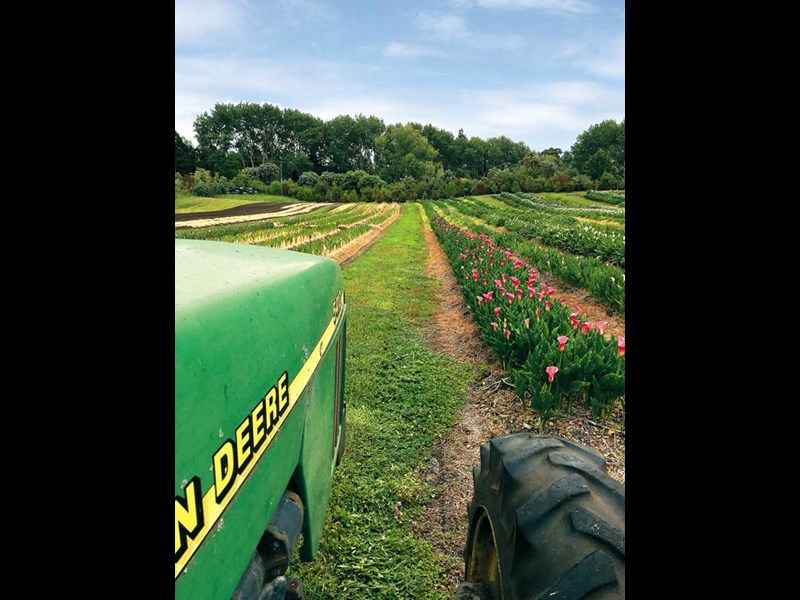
(550, 114)
(444, 25)
(450, 28)
(401, 50)
(197, 22)
(550, 6)
(610, 63)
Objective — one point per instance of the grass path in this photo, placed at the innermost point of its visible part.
(402, 399)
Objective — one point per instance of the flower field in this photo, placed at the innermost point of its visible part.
(555, 357)
(606, 282)
(319, 232)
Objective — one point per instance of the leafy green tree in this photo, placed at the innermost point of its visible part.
(599, 149)
(185, 155)
(308, 178)
(402, 151)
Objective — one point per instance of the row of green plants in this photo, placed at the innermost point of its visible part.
(317, 232)
(611, 196)
(605, 282)
(556, 358)
(329, 243)
(253, 230)
(557, 230)
(540, 203)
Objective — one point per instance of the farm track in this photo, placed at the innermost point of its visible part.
(492, 409)
(247, 212)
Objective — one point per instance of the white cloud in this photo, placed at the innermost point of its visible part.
(609, 63)
(199, 21)
(453, 29)
(443, 25)
(545, 115)
(550, 6)
(401, 50)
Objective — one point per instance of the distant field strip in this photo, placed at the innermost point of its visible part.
(322, 232)
(296, 208)
(605, 282)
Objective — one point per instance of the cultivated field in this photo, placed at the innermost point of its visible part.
(467, 318)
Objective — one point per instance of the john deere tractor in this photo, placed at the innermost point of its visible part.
(260, 419)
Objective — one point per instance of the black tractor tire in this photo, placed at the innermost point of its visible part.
(545, 522)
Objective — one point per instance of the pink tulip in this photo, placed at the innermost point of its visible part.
(519, 293)
(491, 262)
(540, 295)
(485, 281)
(488, 295)
(531, 292)
(621, 345)
(502, 261)
(514, 281)
(600, 326)
(497, 310)
(475, 274)
(551, 291)
(562, 341)
(551, 372)
(497, 283)
(538, 314)
(517, 264)
(528, 323)
(510, 298)
(547, 304)
(480, 299)
(585, 327)
(504, 276)
(573, 318)
(493, 324)
(506, 333)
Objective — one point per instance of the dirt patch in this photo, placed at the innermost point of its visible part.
(492, 409)
(346, 254)
(246, 212)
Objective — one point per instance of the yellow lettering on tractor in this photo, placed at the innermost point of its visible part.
(188, 516)
(224, 469)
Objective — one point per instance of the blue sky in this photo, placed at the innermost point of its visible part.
(538, 71)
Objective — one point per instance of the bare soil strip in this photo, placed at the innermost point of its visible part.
(492, 409)
(247, 212)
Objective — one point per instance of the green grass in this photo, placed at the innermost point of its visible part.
(187, 204)
(401, 399)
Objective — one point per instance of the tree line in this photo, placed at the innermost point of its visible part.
(289, 152)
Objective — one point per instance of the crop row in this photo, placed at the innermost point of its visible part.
(318, 232)
(605, 282)
(326, 245)
(617, 197)
(559, 231)
(555, 357)
(539, 203)
(255, 231)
